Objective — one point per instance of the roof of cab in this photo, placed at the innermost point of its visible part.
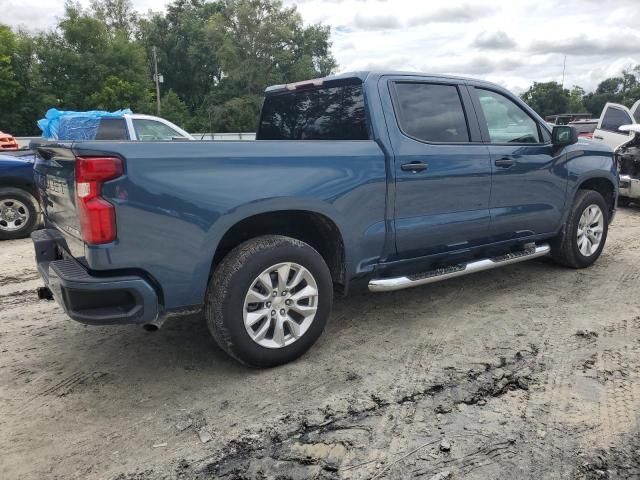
(363, 75)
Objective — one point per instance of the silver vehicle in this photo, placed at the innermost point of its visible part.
(628, 159)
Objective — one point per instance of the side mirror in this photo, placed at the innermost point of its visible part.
(563, 135)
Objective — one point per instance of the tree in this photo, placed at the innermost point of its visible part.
(575, 104)
(547, 98)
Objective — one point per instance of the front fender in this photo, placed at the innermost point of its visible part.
(587, 160)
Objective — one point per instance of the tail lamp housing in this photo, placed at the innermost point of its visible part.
(97, 216)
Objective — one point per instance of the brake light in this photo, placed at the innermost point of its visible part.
(97, 216)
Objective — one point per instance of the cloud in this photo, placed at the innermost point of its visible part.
(617, 44)
(480, 66)
(461, 14)
(376, 22)
(494, 40)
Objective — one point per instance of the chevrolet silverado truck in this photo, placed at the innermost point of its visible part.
(385, 180)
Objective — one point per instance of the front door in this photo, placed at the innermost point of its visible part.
(442, 169)
(612, 118)
(528, 187)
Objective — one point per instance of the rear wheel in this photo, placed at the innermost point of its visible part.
(269, 300)
(585, 231)
(18, 213)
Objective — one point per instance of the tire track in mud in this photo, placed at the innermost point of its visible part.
(302, 450)
(17, 298)
(24, 276)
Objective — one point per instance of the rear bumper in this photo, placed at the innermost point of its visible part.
(91, 299)
(629, 187)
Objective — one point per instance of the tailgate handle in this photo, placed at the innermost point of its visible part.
(505, 162)
(414, 167)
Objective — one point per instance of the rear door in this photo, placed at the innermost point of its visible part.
(442, 170)
(612, 118)
(528, 192)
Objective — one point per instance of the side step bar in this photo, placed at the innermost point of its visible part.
(398, 283)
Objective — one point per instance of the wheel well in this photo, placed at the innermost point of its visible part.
(604, 187)
(313, 228)
(17, 183)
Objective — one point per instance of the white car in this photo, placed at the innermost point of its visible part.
(139, 127)
(612, 118)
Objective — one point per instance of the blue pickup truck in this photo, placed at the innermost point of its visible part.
(387, 180)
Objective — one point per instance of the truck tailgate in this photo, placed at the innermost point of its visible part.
(55, 177)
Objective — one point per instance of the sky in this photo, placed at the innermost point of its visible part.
(513, 43)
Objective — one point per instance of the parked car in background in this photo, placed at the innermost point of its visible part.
(566, 118)
(391, 180)
(615, 115)
(101, 125)
(8, 142)
(585, 128)
(628, 160)
(19, 209)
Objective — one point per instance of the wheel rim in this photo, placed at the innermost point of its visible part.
(14, 215)
(590, 230)
(280, 305)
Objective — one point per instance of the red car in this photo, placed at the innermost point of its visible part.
(8, 142)
(585, 128)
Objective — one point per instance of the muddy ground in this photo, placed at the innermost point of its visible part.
(527, 372)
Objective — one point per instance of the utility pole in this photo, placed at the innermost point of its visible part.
(564, 66)
(156, 77)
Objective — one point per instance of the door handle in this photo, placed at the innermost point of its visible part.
(414, 167)
(504, 162)
(598, 137)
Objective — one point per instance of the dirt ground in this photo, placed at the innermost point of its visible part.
(529, 372)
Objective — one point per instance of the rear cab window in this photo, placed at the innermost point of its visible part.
(430, 112)
(332, 112)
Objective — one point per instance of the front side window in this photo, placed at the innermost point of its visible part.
(614, 118)
(329, 113)
(431, 112)
(150, 130)
(506, 121)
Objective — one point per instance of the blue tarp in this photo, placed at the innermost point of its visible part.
(67, 125)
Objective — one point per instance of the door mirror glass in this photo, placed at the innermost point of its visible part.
(564, 135)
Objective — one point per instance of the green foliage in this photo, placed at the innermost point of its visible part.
(547, 98)
(216, 58)
(550, 98)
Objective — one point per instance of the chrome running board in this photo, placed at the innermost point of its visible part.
(398, 283)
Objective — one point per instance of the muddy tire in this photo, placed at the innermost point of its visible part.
(584, 233)
(19, 213)
(269, 300)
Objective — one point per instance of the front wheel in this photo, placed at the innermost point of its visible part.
(585, 231)
(269, 300)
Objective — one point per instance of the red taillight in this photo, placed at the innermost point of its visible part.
(97, 216)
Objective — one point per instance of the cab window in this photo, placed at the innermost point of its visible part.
(614, 118)
(506, 121)
(430, 112)
(150, 130)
